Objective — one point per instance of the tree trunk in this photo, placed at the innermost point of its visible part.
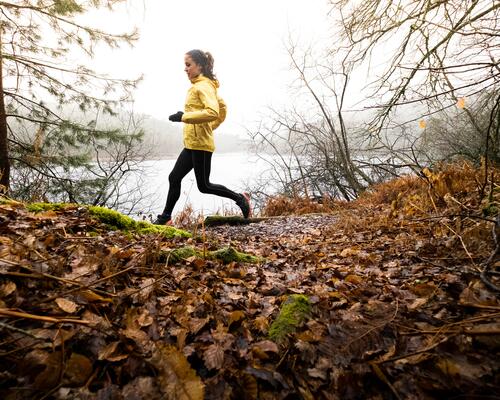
(4, 149)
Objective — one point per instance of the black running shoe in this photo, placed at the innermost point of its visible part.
(244, 204)
(163, 220)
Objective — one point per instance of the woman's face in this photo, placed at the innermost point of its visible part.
(191, 68)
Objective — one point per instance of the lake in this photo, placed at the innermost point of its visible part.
(234, 170)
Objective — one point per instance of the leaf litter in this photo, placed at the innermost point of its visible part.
(400, 288)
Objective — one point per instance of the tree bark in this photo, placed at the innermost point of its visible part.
(4, 148)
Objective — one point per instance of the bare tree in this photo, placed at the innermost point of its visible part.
(436, 55)
(425, 64)
(313, 153)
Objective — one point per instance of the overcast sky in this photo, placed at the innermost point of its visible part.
(247, 40)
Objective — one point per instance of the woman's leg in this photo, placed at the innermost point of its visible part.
(202, 164)
(182, 166)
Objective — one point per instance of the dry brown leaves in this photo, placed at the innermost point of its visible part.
(399, 307)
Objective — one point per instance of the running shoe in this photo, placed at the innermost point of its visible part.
(163, 220)
(244, 204)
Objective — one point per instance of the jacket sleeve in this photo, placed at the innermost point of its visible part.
(210, 111)
(222, 114)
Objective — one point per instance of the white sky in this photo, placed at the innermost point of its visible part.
(247, 40)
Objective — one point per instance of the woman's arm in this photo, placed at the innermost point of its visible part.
(210, 111)
(222, 114)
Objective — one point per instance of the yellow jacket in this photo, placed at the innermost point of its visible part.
(204, 111)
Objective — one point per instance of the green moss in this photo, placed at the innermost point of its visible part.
(179, 254)
(229, 254)
(112, 218)
(293, 313)
(41, 207)
(226, 255)
(116, 220)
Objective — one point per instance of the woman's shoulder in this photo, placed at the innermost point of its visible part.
(206, 84)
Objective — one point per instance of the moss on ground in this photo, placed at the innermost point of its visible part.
(179, 254)
(293, 313)
(114, 220)
(118, 221)
(226, 255)
(216, 220)
(41, 207)
(7, 201)
(229, 254)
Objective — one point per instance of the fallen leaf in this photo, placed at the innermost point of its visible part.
(261, 323)
(93, 297)
(214, 356)
(177, 380)
(417, 303)
(50, 376)
(349, 252)
(138, 336)
(111, 353)
(78, 370)
(144, 318)
(143, 387)
(459, 366)
(354, 279)
(146, 289)
(250, 386)
(235, 316)
(267, 346)
(197, 324)
(317, 373)
(67, 305)
(7, 288)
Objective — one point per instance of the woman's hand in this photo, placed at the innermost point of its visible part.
(177, 117)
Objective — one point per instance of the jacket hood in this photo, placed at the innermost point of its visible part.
(202, 77)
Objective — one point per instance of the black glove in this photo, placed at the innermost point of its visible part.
(177, 117)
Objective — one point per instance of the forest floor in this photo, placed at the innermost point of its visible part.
(391, 296)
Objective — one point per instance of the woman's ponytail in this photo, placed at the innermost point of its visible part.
(210, 63)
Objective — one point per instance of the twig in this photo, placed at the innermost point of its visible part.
(374, 328)
(462, 242)
(448, 327)
(89, 285)
(29, 346)
(37, 274)
(68, 238)
(19, 314)
(425, 350)
(380, 374)
(156, 280)
(432, 200)
(22, 331)
(482, 332)
(469, 331)
(282, 358)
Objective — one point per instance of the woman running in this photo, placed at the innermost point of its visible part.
(203, 112)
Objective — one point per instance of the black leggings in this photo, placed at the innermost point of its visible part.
(201, 162)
